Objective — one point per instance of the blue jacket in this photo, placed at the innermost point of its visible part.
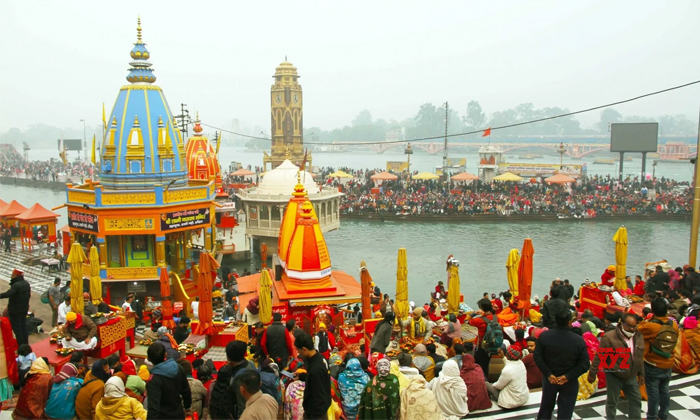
(61, 403)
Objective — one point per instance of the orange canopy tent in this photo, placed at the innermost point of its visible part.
(2, 204)
(464, 176)
(525, 277)
(207, 273)
(8, 212)
(384, 176)
(167, 304)
(242, 172)
(559, 179)
(37, 215)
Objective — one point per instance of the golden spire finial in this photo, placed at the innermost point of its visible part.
(138, 30)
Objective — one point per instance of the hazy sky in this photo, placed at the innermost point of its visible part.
(62, 59)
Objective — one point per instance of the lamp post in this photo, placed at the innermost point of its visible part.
(84, 142)
(561, 149)
(408, 152)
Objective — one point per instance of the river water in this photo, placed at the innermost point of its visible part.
(566, 249)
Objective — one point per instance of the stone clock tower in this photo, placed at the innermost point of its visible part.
(287, 120)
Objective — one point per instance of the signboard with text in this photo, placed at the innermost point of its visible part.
(83, 221)
(184, 218)
(396, 166)
(538, 169)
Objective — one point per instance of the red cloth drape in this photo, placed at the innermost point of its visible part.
(10, 349)
(167, 302)
(207, 273)
(525, 277)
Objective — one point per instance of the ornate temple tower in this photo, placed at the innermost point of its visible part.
(287, 118)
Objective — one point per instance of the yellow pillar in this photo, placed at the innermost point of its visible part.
(207, 238)
(102, 249)
(160, 251)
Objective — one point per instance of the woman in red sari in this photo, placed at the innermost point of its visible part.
(473, 377)
(35, 393)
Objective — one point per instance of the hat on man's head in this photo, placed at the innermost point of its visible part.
(512, 353)
(157, 313)
(322, 325)
(161, 331)
(611, 268)
(17, 273)
(71, 316)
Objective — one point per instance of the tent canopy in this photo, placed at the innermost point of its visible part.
(242, 172)
(12, 209)
(341, 174)
(464, 176)
(508, 176)
(36, 212)
(426, 175)
(559, 179)
(384, 176)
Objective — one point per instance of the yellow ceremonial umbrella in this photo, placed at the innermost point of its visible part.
(76, 257)
(341, 174)
(512, 264)
(507, 177)
(265, 297)
(453, 288)
(425, 175)
(401, 286)
(620, 240)
(95, 280)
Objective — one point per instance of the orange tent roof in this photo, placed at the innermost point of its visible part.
(384, 176)
(65, 228)
(559, 179)
(12, 209)
(37, 212)
(2, 204)
(242, 172)
(464, 176)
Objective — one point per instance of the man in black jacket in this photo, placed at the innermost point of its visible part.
(277, 342)
(553, 306)
(317, 394)
(235, 354)
(168, 390)
(18, 305)
(562, 357)
(182, 330)
(659, 282)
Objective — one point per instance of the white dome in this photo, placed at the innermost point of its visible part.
(283, 178)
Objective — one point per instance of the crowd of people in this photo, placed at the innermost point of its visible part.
(54, 170)
(590, 197)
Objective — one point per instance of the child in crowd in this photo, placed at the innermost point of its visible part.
(24, 361)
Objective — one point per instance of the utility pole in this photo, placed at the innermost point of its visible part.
(184, 118)
(444, 154)
(692, 260)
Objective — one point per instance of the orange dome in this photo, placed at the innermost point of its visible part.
(202, 162)
(307, 259)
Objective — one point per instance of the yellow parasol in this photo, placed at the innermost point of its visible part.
(341, 174)
(95, 279)
(76, 257)
(620, 240)
(265, 297)
(425, 175)
(401, 285)
(512, 265)
(507, 177)
(453, 287)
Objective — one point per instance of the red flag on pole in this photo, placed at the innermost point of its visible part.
(303, 163)
(487, 132)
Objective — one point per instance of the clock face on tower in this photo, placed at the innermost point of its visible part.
(278, 98)
(296, 98)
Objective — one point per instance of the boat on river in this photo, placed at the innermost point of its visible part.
(604, 162)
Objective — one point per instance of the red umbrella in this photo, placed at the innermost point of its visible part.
(207, 274)
(525, 276)
(167, 304)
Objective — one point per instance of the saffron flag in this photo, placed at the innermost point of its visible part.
(94, 161)
(104, 120)
(487, 132)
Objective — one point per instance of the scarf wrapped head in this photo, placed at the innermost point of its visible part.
(144, 373)
(129, 368)
(39, 366)
(72, 317)
(254, 306)
(67, 371)
(396, 371)
(451, 391)
(374, 358)
(97, 370)
(353, 369)
(383, 367)
(114, 388)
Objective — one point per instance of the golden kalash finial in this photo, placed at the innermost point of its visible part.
(138, 31)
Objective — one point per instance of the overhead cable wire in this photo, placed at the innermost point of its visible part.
(502, 127)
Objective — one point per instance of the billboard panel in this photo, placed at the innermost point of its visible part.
(634, 137)
(396, 166)
(538, 169)
(71, 144)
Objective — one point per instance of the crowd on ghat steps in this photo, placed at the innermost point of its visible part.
(420, 367)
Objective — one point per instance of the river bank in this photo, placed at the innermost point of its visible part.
(33, 183)
(491, 218)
